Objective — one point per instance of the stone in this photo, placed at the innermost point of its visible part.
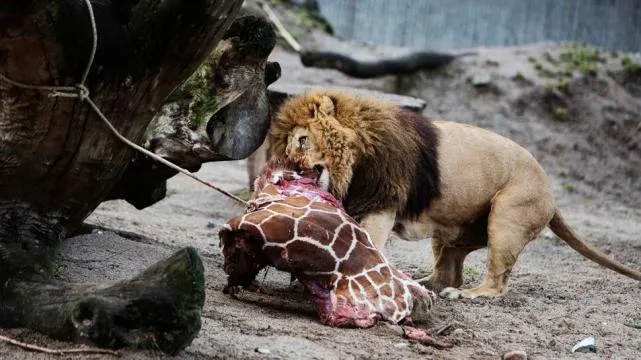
(481, 79)
(585, 345)
(263, 351)
(515, 355)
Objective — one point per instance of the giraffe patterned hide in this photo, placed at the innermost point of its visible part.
(297, 227)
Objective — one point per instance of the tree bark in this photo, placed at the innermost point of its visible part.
(58, 161)
(220, 113)
(158, 309)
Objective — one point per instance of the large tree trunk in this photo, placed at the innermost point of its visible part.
(58, 161)
(220, 113)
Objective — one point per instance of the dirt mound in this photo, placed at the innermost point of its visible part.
(594, 133)
(580, 118)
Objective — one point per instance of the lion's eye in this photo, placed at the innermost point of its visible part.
(302, 141)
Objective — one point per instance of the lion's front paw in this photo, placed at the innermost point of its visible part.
(482, 291)
(450, 293)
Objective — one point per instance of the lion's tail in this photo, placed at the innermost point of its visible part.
(563, 231)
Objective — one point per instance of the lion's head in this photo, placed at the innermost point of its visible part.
(308, 130)
(384, 156)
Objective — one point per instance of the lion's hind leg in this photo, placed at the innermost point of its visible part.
(515, 219)
(450, 247)
(448, 266)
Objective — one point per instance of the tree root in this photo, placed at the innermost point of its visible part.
(57, 351)
(159, 309)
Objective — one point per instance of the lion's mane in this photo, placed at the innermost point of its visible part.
(380, 156)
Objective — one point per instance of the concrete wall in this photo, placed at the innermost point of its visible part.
(455, 24)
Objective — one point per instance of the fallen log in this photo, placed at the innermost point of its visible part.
(402, 65)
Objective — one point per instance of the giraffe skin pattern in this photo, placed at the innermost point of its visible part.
(294, 225)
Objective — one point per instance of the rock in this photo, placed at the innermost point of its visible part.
(211, 224)
(585, 345)
(264, 351)
(481, 79)
(401, 345)
(515, 355)
(459, 334)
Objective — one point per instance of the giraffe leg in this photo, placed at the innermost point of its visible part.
(379, 226)
(514, 221)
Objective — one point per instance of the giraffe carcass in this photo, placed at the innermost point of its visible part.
(294, 225)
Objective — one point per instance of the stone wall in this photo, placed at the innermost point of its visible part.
(447, 24)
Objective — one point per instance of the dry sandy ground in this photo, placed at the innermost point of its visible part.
(556, 297)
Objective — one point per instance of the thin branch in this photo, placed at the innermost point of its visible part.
(86, 350)
(281, 29)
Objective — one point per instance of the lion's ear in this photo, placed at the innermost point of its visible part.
(326, 106)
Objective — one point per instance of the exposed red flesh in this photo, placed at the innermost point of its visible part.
(424, 338)
(295, 226)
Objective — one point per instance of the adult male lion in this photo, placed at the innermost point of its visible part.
(466, 186)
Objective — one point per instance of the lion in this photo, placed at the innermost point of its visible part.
(394, 170)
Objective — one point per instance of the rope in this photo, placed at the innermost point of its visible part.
(81, 92)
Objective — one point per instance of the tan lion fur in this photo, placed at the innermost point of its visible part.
(464, 186)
